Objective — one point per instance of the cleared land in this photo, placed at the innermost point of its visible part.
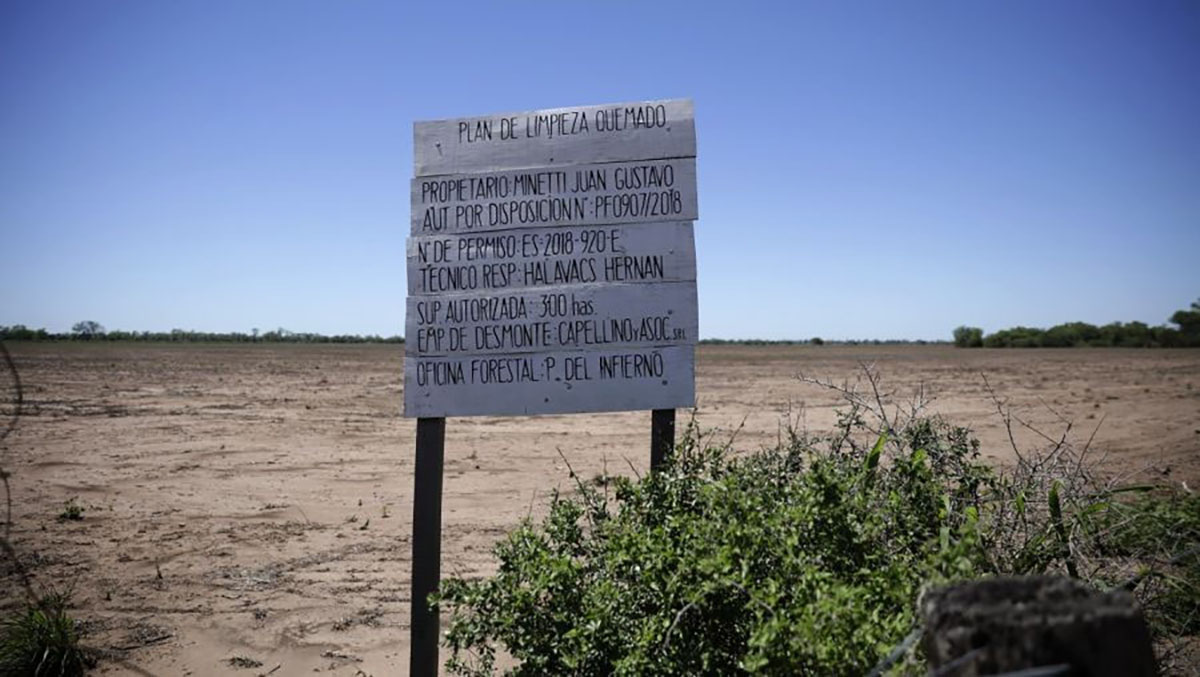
(253, 503)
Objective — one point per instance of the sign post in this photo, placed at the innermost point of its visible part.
(426, 541)
(551, 269)
(662, 436)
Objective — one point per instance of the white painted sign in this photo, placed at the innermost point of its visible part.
(550, 382)
(547, 257)
(644, 130)
(552, 262)
(564, 318)
(620, 192)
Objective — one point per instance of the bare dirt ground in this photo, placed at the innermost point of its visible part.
(248, 508)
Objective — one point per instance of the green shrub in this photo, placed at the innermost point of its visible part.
(1155, 526)
(71, 511)
(806, 558)
(40, 639)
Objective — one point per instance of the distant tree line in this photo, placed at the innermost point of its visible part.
(1186, 334)
(816, 341)
(89, 330)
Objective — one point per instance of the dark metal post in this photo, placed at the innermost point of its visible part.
(662, 436)
(426, 545)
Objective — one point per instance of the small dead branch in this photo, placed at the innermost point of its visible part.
(1005, 415)
(867, 394)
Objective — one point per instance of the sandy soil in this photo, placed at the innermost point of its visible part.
(254, 502)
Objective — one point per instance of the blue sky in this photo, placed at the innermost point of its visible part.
(866, 169)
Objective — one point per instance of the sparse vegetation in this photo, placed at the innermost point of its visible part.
(1108, 536)
(40, 639)
(243, 662)
(1160, 530)
(71, 511)
(806, 558)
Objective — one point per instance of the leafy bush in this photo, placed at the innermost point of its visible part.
(40, 639)
(806, 558)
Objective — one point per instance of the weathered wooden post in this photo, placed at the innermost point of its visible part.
(426, 544)
(551, 269)
(662, 436)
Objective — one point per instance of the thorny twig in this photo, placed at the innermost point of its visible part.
(679, 616)
(1090, 439)
(873, 378)
(876, 402)
(632, 468)
(19, 396)
(896, 653)
(6, 539)
(1005, 415)
(587, 495)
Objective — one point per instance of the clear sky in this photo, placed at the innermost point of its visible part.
(866, 169)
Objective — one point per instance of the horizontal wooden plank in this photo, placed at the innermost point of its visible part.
(550, 382)
(562, 318)
(621, 192)
(619, 132)
(536, 258)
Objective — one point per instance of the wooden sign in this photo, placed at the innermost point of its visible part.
(620, 192)
(613, 379)
(548, 257)
(645, 130)
(567, 318)
(552, 262)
